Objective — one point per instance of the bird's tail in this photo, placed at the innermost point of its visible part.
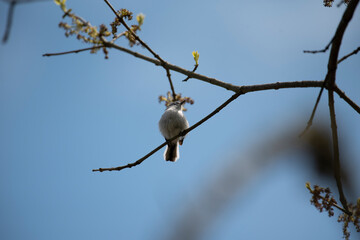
(172, 152)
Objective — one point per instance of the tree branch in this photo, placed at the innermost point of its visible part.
(348, 55)
(118, 36)
(163, 63)
(175, 68)
(331, 77)
(332, 64)
(242, 90)
(309, 123)
(320, 51)
(183, 133)
(334, 53)
(347, 99)
(73, 51)
(219, 83)
(337, 167)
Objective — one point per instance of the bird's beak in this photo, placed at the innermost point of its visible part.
(182, 102)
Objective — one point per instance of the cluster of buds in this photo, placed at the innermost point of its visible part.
(87, 33)
(127, 15)
(83, 30)
(169, 99)
(322, 199)
(353, 218)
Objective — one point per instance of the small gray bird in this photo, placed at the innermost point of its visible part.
(173, 122)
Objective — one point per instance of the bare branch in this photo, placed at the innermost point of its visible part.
(175, 68)
(183, 133)
(332, 64)
(130, 165)
(170, 81)
(320, 51)
(348, 55)
(280, 85)
(73, 51)
(334, 53)
(347, 99)
(219, 83)
(309, 123)
(242, 90)
(330, 77)
(163, 63)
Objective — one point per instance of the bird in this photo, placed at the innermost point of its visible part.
(173, 122)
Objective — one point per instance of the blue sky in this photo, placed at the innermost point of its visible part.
(63, 116)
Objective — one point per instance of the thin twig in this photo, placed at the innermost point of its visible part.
(117, 37)
(196, 66)
(130, 165)
(347, 99)
(163, 63)
(170, 81)
(320, 51)
(340, 208)
(348, 55)
(337, 166)
(309, 123)
(73, 51)
(9, 21)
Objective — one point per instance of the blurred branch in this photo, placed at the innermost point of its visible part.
(348, 55)
(12, 4)
(340, 3)
(73, 51)
(25, 1)
(9, 21)
(146, 46)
